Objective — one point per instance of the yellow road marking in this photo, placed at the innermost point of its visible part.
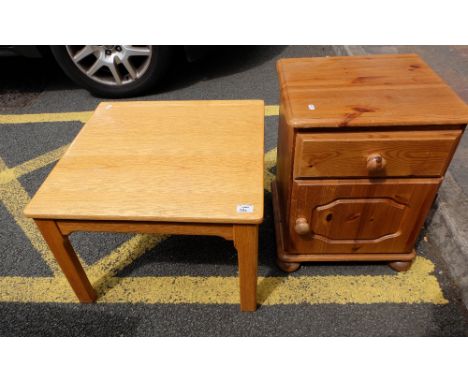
(269, 162)
(414, 286)
(15, 198)
(271, 110)
(270, 158)
(122, 256)
(83, 116)
(31, 165)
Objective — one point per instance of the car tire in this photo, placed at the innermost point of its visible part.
(154, 72)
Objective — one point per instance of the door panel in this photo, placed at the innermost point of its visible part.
(359, 216)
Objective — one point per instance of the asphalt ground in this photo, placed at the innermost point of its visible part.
(184, 285)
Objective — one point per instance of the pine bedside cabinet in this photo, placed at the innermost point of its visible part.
(172, 167)
(363, 146)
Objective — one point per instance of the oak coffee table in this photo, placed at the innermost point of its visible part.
(173, 167)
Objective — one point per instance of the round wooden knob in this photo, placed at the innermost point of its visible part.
(302, 227)
(376, 162)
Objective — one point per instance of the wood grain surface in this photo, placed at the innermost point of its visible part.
(181, 161)
(66, 257)
(364, 143)
(290, 262)
(246, 243)
(216, 229)
(284, 161)
(407, 153)
(379, 90)
(360, 216)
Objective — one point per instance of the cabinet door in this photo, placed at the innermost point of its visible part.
(358, 216)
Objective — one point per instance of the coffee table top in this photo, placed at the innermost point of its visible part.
(173, 161)
(379, 90)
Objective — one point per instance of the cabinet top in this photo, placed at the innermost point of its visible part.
(378, 90)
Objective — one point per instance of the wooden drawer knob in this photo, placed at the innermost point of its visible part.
(302, 227)
(376, 162)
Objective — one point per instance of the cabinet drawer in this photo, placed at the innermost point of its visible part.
(358, 216)
(392, 154)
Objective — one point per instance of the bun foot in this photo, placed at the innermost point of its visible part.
(288, 267)
(400, 266)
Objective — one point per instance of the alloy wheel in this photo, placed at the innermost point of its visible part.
(115, 65)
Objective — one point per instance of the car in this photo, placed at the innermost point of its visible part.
(111, 71)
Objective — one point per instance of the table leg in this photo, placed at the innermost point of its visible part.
(246, 243)
(67, 259)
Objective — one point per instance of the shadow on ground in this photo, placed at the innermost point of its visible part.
(23, 79)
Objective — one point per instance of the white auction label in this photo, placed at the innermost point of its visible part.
(245, 208)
